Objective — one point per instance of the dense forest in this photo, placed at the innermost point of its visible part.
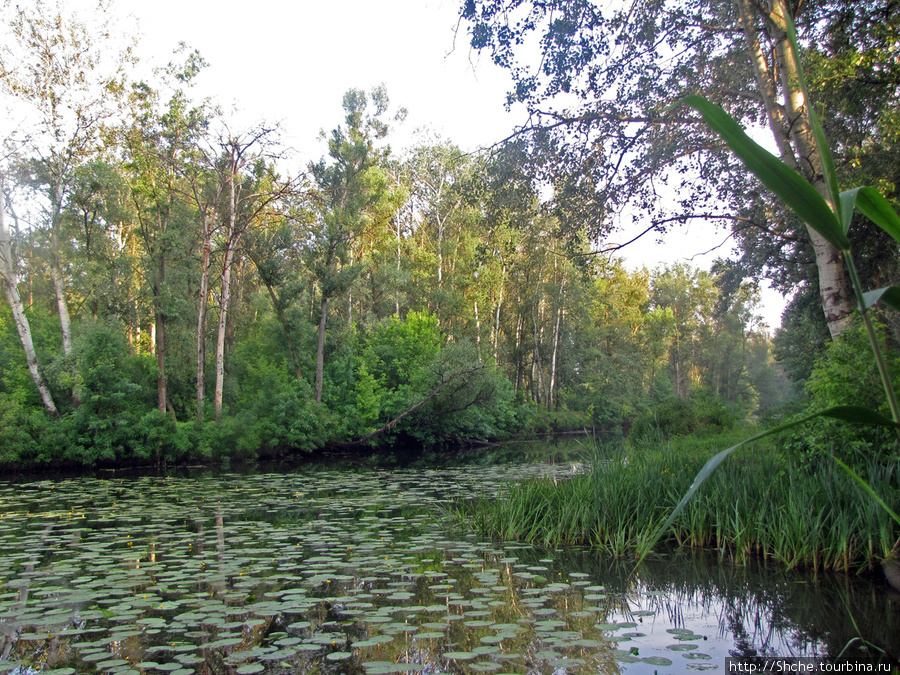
(178, 288)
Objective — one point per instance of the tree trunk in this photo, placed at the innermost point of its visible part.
(496, 336)
(161, 393)
(556, 332)
(537, 375)
(56, 275)
(477, 333)
(520, 366)
(220, 338)
(320, 349)
(159, 334)
(59, 284)
(797, 145)
(10, 288)
(201, 319)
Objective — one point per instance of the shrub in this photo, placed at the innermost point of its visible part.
(846, 375)
(673, 416)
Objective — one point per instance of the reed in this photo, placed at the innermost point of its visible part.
(765, 505)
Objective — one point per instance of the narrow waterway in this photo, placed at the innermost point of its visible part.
(368, 572)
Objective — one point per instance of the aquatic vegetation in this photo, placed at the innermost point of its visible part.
(814, 516)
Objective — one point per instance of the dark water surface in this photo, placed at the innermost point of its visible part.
(343, 572)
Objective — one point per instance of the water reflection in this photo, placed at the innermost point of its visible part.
(358, 573)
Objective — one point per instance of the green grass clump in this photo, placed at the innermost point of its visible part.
(762, 504)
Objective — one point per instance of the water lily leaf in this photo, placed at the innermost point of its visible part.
(338, 656)
(657, 661)
(546, 654)
(460, 656)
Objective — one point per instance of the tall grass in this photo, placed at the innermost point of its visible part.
(765, 505)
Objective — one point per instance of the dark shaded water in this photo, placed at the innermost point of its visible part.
(341, 572)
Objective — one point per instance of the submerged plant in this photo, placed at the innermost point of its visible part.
(829, 216)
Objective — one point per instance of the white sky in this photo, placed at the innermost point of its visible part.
(291, 62)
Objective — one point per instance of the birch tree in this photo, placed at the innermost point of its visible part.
(250, 186)
(10, 282)
(68, 78)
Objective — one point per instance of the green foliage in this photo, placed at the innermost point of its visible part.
(846, 375)
(274, 411)
(398, 352)
(451, 304)
(674, 416)
(807, 205)
(477, 403)
(803, 336)
(439, 393)
(540, 421)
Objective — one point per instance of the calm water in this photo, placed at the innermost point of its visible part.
(336, 572)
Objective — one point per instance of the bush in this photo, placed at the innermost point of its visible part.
(846, 375)
(675, 416)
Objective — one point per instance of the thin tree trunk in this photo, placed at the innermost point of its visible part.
(220, 338)
(537, 375)
(477, 333)
(59, 284)
(56, 275)
(320, 349)
(520, 369)
(65, 321)
(556, 332)
(496, 337)
(201, 320)
(399, 244)
(160, 337)
(10, 288)
(161, 393)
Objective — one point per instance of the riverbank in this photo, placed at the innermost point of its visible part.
(760, 503)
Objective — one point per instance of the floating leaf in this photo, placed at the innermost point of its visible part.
(657, 661)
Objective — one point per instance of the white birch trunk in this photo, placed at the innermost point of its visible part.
(796, 143)
(10, 288)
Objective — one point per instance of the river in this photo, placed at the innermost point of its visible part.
(368, 572)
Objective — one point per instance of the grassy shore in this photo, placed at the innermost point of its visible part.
(759, 503)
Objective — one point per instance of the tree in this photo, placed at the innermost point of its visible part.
(10, 282)
(349, 188)
(603, 128)
(250, 187)
(71, 77)
(155, 138)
